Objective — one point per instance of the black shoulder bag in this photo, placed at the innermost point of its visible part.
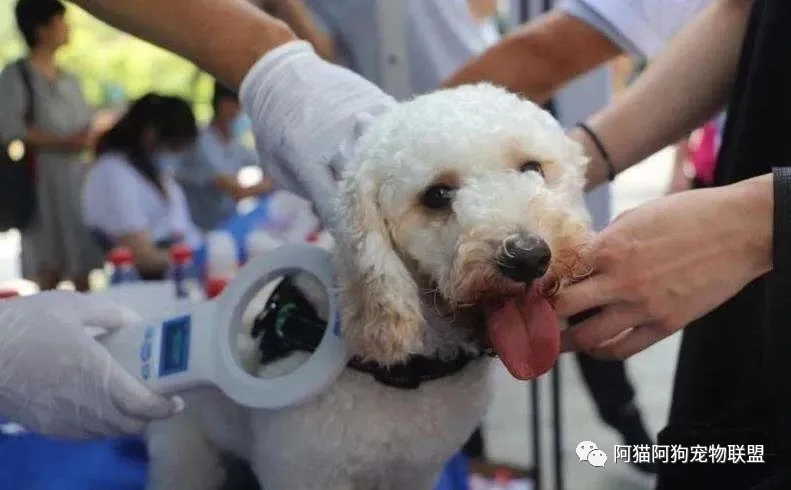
(17, 167)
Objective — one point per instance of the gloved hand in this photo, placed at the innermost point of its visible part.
(55, 379)
(326, 107)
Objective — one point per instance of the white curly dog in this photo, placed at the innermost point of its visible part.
(455, 203)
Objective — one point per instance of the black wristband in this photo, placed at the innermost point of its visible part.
(600, 147)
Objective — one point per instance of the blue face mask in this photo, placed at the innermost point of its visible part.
(167, 162)
(240, 125)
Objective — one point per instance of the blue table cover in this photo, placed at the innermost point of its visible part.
(32, 462)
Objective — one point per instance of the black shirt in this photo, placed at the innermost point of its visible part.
(734, 369)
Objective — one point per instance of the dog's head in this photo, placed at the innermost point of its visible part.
(458, 199)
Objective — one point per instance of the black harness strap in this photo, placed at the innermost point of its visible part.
(417, 370)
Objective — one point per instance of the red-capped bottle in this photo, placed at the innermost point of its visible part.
(121, 260)
(502, 479)
(215, 286)
(182, 271)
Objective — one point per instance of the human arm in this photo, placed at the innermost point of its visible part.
(540, 57)
(669, 262)
(148, 258)
(57, 380)
(230, 185)
(263, 186)
(296, 14)
(44, 139)
(13, 100)
(247, 33)
(212, 164)
(682, 88)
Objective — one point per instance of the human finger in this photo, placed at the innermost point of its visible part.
(592, 292)
(99, 312)
(124, 425)
(98, 428)
(134, 399)
(637, 340)
(602, 327)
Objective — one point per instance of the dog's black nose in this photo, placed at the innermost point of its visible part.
(524, 257)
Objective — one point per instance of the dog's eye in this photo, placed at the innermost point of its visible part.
(531, 166)
(437, 197)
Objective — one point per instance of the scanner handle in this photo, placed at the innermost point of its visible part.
(168, 355)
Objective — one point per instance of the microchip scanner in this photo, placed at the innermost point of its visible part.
(196, 348)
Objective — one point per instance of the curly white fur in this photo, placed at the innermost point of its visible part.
(405, 271)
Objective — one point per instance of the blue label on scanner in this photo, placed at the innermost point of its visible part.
(175, 346)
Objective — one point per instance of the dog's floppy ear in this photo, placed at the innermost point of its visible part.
(382, 318)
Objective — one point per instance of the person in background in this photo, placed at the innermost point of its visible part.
(696, 158)
(56, 245)
(208, 173)
(440, 36)
(130, 196)
(299, 18)
(578, 36)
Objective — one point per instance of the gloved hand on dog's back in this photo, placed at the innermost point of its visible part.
(57, 380)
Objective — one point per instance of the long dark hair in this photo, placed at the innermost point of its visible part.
(170, 118)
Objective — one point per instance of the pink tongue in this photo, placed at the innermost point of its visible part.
(525, 333)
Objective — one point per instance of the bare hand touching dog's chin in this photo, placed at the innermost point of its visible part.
(667, 263)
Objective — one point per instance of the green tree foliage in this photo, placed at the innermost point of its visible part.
(113, 66)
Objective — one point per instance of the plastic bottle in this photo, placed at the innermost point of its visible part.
(520, 484)
(214, 287)
(260, 241)
(221, 256)
(502, 479)
(121, 260)
(478, 482)
(183, 272)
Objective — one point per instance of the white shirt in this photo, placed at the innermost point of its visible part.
(440, 36)
(641, 27)
(117, 200)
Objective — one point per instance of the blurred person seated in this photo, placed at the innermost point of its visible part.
(130, 196)
(209, 171)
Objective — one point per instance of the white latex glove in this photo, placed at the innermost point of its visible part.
(307, 115)
(55, 379)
